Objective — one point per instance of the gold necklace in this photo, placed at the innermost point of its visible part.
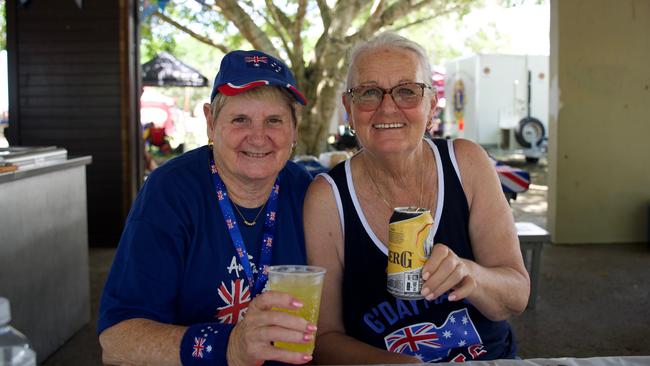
(246, 222)
(392, 207)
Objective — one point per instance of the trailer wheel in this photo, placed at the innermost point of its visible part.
(532, 127)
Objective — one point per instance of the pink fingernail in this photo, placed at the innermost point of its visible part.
(425, 276)
(311, 328)
(307, 357)
(451, 297)
(307, 337)
(296, 303)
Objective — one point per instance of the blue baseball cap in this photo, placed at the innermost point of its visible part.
(244, 70)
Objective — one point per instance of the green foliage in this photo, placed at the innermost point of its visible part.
(156, 38)
(487, 40)
(3, 25)
(157, 35)
(198, 55)
(436, 37)
(511, 3)
(423, 26)
(198, 31)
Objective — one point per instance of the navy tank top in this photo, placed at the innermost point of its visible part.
(433, 331)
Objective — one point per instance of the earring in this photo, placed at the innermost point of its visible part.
(293, 146)
(210, 142)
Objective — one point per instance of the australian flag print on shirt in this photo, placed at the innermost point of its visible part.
(429, 342)
(236, 301)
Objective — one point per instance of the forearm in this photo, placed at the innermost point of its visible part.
(142, 342)
(335, 348)
(501, 292)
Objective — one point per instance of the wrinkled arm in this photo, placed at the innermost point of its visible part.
(141, 342)
(146, 342)
(502, 282)
(324, 239)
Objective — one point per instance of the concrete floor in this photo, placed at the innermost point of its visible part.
(593, 300)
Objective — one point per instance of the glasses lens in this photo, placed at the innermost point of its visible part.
(368, 98)
(407, 95)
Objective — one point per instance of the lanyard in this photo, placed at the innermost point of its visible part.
(235, 234)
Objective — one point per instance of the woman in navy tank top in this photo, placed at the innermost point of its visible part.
(474, 279)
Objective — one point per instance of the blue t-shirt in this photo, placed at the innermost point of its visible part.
(176, 263)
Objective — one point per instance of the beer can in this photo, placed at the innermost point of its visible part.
(410, 240)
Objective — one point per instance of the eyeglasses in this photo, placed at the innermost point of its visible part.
(405, 96)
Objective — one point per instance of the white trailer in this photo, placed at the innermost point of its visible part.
(491, 96)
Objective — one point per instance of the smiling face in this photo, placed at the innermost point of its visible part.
(252, 135)
(389, 128)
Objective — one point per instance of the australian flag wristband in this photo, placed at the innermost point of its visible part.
(205, 344)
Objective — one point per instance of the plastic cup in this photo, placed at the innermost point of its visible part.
(305, 283)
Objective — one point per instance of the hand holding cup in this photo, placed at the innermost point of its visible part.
(250, 342)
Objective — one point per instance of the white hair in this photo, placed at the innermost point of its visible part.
(388, 40)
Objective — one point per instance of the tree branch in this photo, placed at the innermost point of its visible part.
(300, 18)
(341, 18)
(191, 33)
(253, 34)
(453, 9)
(387, 17)
(377, 8)
(278, 15)
(325, 14)
(415, 22)
(296, 36)
(281, 24)
(280, 32)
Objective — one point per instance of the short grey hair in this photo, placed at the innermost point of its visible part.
(383, 41)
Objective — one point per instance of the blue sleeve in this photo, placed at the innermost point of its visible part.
(146, 275)
(144, 278)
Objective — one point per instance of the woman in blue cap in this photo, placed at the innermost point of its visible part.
(204, 228)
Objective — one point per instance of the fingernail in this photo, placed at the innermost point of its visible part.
(296, 303)
(430, 296)
(311, 328)
(425, 291)
(306, 358)
(451, 297)
(307, 337)
(425, 276)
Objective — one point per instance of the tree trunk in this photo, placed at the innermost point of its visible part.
(323, 94)
(316, 119)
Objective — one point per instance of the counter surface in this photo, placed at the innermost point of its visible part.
(43, 168)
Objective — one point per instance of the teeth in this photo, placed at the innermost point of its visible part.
(388, 125)
(255, 155)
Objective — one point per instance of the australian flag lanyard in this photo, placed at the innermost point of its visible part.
(237, 239)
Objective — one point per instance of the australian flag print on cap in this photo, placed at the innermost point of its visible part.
(244, 70)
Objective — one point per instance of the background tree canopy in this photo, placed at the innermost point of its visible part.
(3, 25)
(313, 37)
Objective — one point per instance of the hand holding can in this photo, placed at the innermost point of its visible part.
(410, 241)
